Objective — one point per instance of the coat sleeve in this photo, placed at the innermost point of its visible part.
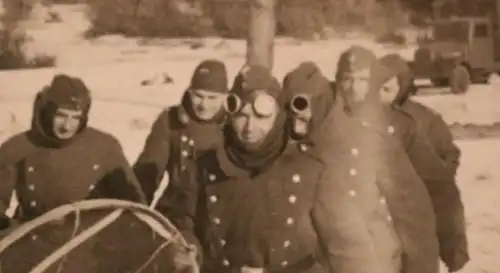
(151, 164)
(120, 181)
(181, 202)
(440, 182)
(342, 232)
(7, 183)
(442, 139)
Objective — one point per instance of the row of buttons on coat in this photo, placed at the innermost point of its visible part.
(354, 172)
(184, 152)
(31, 187)
(292, 199)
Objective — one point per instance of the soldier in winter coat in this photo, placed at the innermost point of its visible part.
(181, 131)
(259, 204)
(368, 146)
(61, 160)
(309, 100)
(429, 121)
(447, 202)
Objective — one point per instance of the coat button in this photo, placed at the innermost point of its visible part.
(31, 169)
(354, 152)
(213, 198)
(33, 203)
(353, 172)
(31, 187)
(222, 242)
(91, 187)
(292, 199)
(391, 129)
(212, 177)
(296, 178)
(95, 167)
(34, 237)
(184, 153)
(364, 123)
(383, 201)
(389, 218)
(352, 193)
(289, 221)
(191, 142)
(284, 263)
(184, 138)
(225, 262)
(303, 147)
(216, 221)
(287, 244)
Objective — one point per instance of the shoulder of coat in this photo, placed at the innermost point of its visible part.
(400, 115)
(96, 136)
(15, 147)
(15, 140)
(301, 152)
(417, 108)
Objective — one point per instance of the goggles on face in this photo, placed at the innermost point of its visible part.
(263, 104)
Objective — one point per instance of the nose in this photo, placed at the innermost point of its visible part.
(67, 124)
(248, 124)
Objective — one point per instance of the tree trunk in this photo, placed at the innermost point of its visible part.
(261, 33)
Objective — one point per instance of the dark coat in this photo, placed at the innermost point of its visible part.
(288, 218)
(447, 201)
(382, 147)
(174, 140)
(436, 129)
(91, 166)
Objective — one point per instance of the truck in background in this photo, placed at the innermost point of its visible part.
(462, 45)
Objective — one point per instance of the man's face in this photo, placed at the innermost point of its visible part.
(389, 91)
(206, 104)
(250, 127)
(355, 85)
(66, 123)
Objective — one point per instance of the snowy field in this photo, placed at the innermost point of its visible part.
(114, 67)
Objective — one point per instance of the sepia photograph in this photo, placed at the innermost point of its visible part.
(249, 136)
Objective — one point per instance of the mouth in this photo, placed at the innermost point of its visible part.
(201, 109)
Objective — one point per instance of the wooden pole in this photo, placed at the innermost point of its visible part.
(261, 33)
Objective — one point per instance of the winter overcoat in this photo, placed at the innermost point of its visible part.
(174, 139)
(92, 166)
(383, 159)
(291, 217)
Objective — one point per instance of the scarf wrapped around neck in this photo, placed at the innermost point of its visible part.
(260, 158)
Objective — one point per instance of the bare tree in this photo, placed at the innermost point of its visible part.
(261, 32)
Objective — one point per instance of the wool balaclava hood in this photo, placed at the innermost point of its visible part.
(354, 59)
(396, 66)
(63, 92)
(209, 75)
(247, 82)
(309, 97)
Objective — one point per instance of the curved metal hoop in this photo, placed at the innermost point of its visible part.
(157, 222)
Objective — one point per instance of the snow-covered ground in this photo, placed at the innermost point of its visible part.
(114, 68)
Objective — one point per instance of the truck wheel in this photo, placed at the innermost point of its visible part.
(439, 82)
(460, 80)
